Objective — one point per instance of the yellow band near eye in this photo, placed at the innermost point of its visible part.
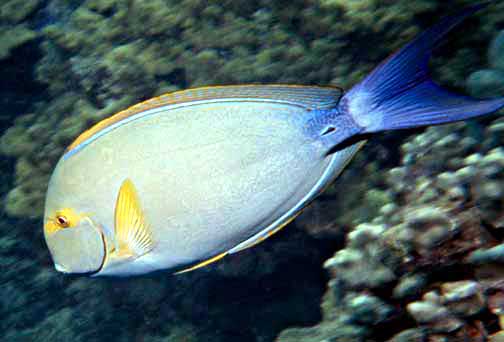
(62, 219)
(51, 227)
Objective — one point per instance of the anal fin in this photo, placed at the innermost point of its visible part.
(203, 263)
(262, 235)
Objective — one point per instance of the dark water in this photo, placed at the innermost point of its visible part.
(405, 246)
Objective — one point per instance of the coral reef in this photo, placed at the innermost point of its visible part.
(423, 255)
(428, 255)
(102, 56)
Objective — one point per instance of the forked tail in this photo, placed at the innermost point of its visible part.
(400, 94)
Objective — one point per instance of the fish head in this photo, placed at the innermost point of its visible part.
(75, 239)
(85, 235)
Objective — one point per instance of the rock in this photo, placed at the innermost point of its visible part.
(463, 298)
(486, 83)
(426, 227)
(496, 303)
(324, 332)
(436, 317)
(13, 37)
(362, 263)
(410, 335)
(491, 255)
(15, 11)
(409, 286)
(426, 312)
(496, 52)
(366, 309)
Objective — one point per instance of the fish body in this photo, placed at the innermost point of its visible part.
(210, 173)
(180, 181)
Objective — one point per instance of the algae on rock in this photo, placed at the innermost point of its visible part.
(13, 31)
(106, 55)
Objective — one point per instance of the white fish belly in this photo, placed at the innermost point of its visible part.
(208, 175)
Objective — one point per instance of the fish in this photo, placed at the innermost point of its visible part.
(182, 180)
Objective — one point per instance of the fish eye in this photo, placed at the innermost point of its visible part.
(62, 221)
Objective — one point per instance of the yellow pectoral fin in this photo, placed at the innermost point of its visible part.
(132, 231)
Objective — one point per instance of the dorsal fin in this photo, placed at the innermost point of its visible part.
(310, 97)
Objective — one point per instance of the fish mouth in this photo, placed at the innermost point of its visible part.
(60, 268)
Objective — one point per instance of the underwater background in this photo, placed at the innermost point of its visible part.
(407, 245)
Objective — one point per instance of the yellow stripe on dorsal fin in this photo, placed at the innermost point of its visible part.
(132, 232)
(203, 263)
(310, 97)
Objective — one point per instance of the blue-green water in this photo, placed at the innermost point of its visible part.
(405, 246)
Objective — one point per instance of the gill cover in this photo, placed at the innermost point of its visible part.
(78, 249)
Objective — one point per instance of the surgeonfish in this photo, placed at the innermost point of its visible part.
(182, 180)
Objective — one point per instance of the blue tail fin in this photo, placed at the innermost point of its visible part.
(400, 94)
